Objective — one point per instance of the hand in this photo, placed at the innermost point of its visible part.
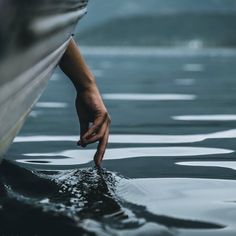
(91, 109)
(89, 104)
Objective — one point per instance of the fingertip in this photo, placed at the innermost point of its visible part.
(97, 160)
(81, 144)
(97, 163)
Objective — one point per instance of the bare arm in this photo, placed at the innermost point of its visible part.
(89, 104)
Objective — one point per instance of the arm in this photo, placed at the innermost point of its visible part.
(89, 105)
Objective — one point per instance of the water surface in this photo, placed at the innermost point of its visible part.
(170, 164)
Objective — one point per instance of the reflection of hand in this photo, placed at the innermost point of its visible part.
(91, 109)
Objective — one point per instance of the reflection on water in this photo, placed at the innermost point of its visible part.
(166, 173)
(147, 97)
(35, 114)
(69, 197)
(51, 105)
(136, 138)
(221, 164)
(219, 117)
(185, 81)
(91, 199)
(75, 157)
(193, 67)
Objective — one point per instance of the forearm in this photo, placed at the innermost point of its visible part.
(74, 66)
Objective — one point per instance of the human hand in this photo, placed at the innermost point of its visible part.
(89, 104)
(91, 110)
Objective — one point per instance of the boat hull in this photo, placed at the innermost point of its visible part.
(30, 57)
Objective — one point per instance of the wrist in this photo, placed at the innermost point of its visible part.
(85, 83)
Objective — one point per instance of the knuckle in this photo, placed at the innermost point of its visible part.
(83, 140)
(105, 114)
(108, 117)
(97, 126)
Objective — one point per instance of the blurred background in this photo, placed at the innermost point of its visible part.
(159, 23)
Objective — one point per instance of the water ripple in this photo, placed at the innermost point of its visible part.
(220, 164)
(77, 157)
(100, 201)
(148, 97)
(135, 138)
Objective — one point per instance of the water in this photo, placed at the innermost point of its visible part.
(194, 24)
(170, 164)
(169, 168)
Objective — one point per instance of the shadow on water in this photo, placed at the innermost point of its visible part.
(76, 202)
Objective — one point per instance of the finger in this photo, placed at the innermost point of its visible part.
(94, 128)
(83, 128)
(98, 136)
(101, 148)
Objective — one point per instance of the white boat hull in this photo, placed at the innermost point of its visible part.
(24, 95)
(31, 56)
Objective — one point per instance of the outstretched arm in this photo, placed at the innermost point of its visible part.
(89, 105)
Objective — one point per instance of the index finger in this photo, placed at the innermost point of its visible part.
(101, 148)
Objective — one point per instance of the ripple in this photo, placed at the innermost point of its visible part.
(35, 114)
(78, 157)
(194, 67)
(39, 162)
(222, 164)
(147, 97)
(182, 198)
(132, 51)
(51, 105)
(134, 138)
(96, 199)
(185, 81)
(220, 117)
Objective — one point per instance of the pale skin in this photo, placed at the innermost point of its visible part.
(93, 116)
